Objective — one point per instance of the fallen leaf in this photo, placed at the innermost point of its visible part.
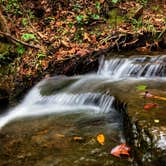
(86, 36)
(60, 135)
(101, 139)
(156, 120)
(119, 150)
(160, 98)
(141, 87)
(77, 138)
(149, 106)
(148, 95)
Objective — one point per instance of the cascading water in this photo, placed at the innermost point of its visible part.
(61, 107)
(73, 94)
(147, 67)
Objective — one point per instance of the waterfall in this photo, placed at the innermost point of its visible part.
(73, 94)
(146, 66)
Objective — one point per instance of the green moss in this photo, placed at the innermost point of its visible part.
(115, 18)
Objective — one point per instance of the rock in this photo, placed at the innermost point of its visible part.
(162, 41)
(4, 99)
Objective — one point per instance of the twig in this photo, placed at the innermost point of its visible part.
(17, 40)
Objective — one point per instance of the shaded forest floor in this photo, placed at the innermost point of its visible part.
(46, 37)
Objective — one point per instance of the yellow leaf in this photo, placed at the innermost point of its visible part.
(86, 36)
(156, 120)
(101, 139)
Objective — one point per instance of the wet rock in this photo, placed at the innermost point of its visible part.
(162, 41)
(4, 99)
(95, 151)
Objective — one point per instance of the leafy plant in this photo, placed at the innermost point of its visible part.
(79, 18)
(12, 6)
(115, 1)
(137, 24)
(24, 21)
(20, 49)
(77, 6)
(41, 55)
(143, 2)
(98, 7)
(49, 19)
(70, 24)
(95, 16)
(28, 36)
(141, 87)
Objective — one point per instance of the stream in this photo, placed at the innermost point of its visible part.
(59, 119)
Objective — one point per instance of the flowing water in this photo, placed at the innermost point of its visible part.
(60, 108)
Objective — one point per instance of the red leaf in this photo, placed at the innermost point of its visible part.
(119, 150)
(149, 106)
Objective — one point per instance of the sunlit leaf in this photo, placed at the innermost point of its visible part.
(28, 36)
(79, 18)
(20, 49)
(156, 120)
(101, 139)
(141, 87)
(121, 150)
(114, 1)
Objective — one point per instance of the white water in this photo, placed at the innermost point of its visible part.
(74, 98)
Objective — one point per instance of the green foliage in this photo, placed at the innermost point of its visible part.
(79, 18)
(49, 19)
(2, 57)
(114, 18)
(95, 16)
(115, 1)
(98, 7)
(77, 7)
(30, 14)
(41, 55)
(143, 2)
(24, 21)
(137, 23)
(159, 35)
(70, 24)
(12, 6)
(86, 19)
(20, 49)
(141, 87)
(28, 36)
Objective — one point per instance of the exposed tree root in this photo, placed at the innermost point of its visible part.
(13, 40)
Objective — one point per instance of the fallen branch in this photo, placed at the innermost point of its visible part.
(17, 40)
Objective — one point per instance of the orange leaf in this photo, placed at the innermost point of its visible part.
(160, 98)
(149, 106)
(101, 139)
(119, 150)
